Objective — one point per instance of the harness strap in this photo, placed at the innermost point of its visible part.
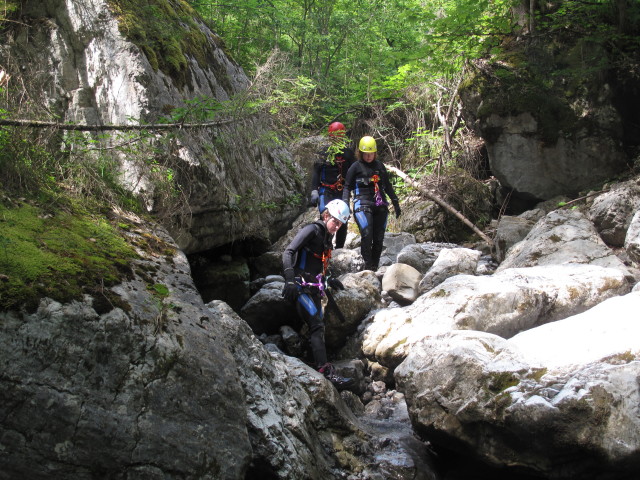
(324, 257)
(379, 201)
(339, 183)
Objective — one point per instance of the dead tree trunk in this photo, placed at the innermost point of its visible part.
(442, 203)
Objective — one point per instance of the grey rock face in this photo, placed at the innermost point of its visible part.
(562, 236)
(612, 211)
(450, 262)
(520, 158)
(145, 393)
(73, 51)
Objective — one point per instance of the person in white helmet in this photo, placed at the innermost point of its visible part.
(305, 263)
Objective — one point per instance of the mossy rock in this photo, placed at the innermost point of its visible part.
(61, 255)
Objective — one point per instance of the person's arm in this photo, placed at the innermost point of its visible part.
(290, 291)
(349, 183)
(388, 188)
(290, 254)
(315, 181)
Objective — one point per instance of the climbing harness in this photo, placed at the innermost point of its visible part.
(324, 258)
(338, 185)
(379, 201)
(320, 285)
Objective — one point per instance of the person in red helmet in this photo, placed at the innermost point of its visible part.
(329, 172)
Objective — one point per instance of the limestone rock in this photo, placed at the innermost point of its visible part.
(612, 211)
(450, 262)
(505, 304)
(563, 395)
(401, 281)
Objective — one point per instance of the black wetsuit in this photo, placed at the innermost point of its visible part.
(329, 173)
(304, 262)
(370, 185)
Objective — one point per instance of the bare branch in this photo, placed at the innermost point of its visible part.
(442, 203)
(97, 128)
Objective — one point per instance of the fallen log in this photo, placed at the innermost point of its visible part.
(408, 180)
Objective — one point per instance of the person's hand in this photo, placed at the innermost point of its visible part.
(396, 208)
(290, 291)
(313, 201)
(335, 283)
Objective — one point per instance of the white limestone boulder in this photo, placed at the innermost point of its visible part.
(563, 394)
(505, 304)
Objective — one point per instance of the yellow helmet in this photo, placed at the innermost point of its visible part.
(368, 145)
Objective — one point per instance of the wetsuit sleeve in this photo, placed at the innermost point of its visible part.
(349, 183)
(290, 254)
(388, 188)
(317, 168)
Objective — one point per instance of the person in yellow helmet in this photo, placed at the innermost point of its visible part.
(368, 180)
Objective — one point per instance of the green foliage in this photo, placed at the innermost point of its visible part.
(7, 9)
(60, 255)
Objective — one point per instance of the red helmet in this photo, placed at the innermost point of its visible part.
(336, 128)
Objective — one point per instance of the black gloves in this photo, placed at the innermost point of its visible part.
(290, 291)
(313, 201)
(335, 283)
(396, 208)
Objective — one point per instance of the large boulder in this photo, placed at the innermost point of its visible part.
(612, 211)
(146, 389)
(505, 304)
(561, 237)
(632, 240)
(450, 262)
(559, 400)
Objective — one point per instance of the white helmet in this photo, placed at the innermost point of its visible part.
(339, 209)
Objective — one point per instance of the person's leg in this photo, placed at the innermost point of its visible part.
(364, 221)
(322, 198)
(341, 236)
(310, 310)
(379, 226)
(309, 307)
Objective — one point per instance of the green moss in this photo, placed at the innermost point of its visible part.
(537, 373)
(621, 358)
(440, 293)
(61, 256)
(500, 381)
(168, 33)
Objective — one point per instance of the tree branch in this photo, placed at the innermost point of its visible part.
(97, 128)
(442, 203)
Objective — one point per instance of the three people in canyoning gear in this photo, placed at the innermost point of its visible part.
(368, 180)
(305, 262)
(329, 172)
